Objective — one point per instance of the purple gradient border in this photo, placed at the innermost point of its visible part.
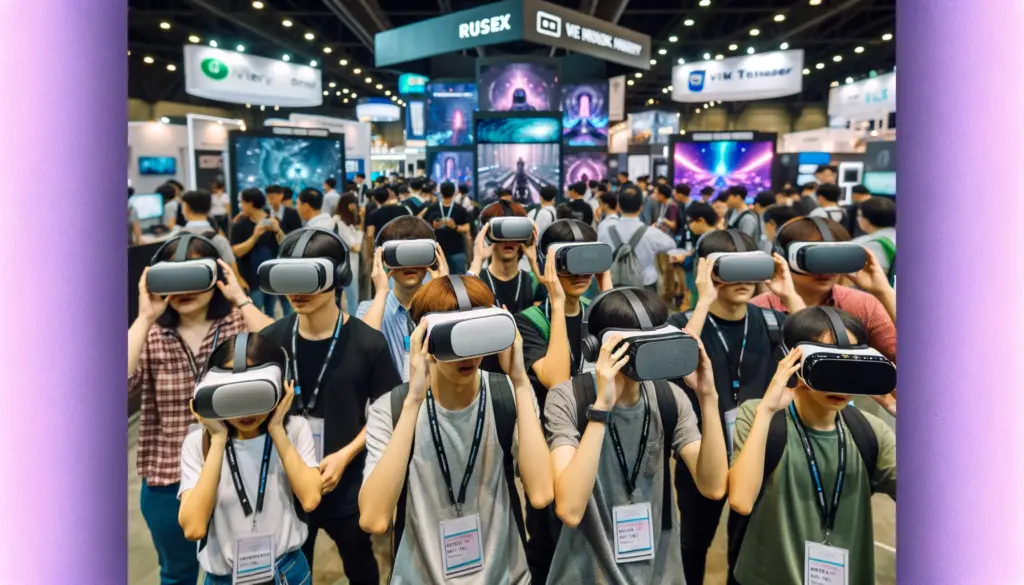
(63, 155)
(960, 516)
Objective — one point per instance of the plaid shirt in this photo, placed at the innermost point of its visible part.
(165, 378)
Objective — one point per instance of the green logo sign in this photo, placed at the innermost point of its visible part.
(214, 69)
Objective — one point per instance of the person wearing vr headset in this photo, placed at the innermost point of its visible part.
(806, 464)
(451, 224)
(243, 473)
(612, 434)
(340, 364)
(183, 311)
(514, 288)
(444, 448)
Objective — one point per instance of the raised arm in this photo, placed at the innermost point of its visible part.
(198, 502)
(374, 316)
(707, 292)
(304, 479)
(255, 319)
(150, 308)
(555, 367)
(533, 456)
(707, 459)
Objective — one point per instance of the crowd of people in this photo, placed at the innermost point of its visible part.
(554, 460)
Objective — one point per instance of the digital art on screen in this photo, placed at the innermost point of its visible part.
(521, 168)
(519, 87)
(452, 166)
(585, 114)
(652, 127)
(296, 162)
(517, 130)
(724, 164)
(450, 108)
(584, 166)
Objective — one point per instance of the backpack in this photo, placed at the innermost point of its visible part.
(504, 407)
(862, 435)
(836, 214)
(889, 247)
(533, 213)
(540, 320)
(626, 269)
(757, 236)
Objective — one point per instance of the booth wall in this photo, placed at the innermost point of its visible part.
(143, 111)
(156, 139)
(776, 118)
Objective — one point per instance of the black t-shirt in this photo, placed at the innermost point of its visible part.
(379, 218)
(535, 347)
(289, 220)
(452, 241)
(505, 291)
(582, 211)
(361, 370)
(413, 205)
(266, 248)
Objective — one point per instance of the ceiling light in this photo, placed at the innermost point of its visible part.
(248, 105)
(129, 52)
(213, 44)
(193, 39)
(147, 60)
(887, 37)
(662, 51)
(312, 63)
(165, 120)
(285, 57)
(664, 90)
(719, 57)
(345, 100)
(388, 92)
(849, 80)
(353, 94)
(332, 84)
(343, 62)
(784, 46)
(780, 17)
(309, 36)
(326, 92)
(807, 71)
(837, 58)
(638, 75)
(688, 22)
(733, 47)
(754, 32)
(681, 61)
(819, 66)
(859, 50)
(394, 98)
(368, 80)
(670, 88)
(834, 84)
(286, 22)
(654, 61)
(673, 39)
(698, 110)
(815, 2)
(750, 50)
(337, 93)
(629, 82)
(357, 71)
(705, 3)
(344, 90)
(379, 86)
(276, 108)
(171, 67)
(165, 25)
(263, 108)
(257, 5)
(707, 56)
(240, 48)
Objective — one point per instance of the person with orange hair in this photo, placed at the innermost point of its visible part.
(441, 451)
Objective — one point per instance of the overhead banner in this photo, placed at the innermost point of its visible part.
(239, 78)
(867, 99)
(535, 21)
(617, 98)
(751, 77)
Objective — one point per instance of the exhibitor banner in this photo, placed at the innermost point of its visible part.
(751, 77)
(871, 98)
(239, 78)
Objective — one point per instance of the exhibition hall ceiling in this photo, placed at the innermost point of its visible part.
(843, 40)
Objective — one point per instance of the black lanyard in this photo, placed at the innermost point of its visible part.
(478, 433)
(736, 364)
(519, 285)
(310, 404)
(236, 477)
(191, 358)
(574, 367)
(621, 455)
(828, 517)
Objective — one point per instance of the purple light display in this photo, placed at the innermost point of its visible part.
(584, 166)
(723, 164)
(519, 87)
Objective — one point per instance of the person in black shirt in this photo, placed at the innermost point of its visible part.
(287, 217)
(581, 210)
(859, 194)
(388, 209)
(513, 288)
(341, 365)
(775, 217)
(254, 239)
(738, 338)
(451, 224)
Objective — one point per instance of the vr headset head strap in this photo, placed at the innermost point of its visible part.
(460, 292)
(736, 240)
(826, 232)
(638, 308)
(506, 208)
(304, 237)
(577, 234)
(836, 324)
(241, 347)
(181, 252)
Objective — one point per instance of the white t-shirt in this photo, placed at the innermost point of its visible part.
(219, 204)
(542, 216)
(229, 522)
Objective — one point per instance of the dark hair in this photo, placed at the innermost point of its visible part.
(614, 311)
(219, 306)
(701, 210)
(437, 296)
(860, 190)
(131, 191)
(548, 193)
(623, 174)
(803, 229)
(416, 184)
(360, 176)
(722, 197)
(275, 190)
(738, 190)
(342, 210)
(719, 241)
(610, 199)
(683, 189)
(501, 208)
(288, 192)
(381, 195)
(259, 351)
(176, 185)
(254, 197)
(559, 232)
(402, 189)
(879, 212)
(630, 200)
(824, 168)
(707, 191)
(405, 227)
(764, 199)
(320, 245)
(312, 197)
(166, 191)
(592, 184)
(579, 187)
(563, 211)
(664, 190)
(464, 189)
(811, 323)
(779, 214)
(218, 185)
(830, 192)
(331, 182)
(198, 201)
(812, 186)
(789, 191)
(447, 189)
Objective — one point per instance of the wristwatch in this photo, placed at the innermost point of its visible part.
(598, 415)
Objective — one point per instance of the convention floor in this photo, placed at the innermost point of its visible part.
(143, 568)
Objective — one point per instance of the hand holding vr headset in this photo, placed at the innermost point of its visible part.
(780, 391)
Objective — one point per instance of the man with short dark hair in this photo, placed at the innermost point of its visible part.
(195, 205)
(859, 194)
(388, 208)
(877, 219)
(331, 195)
(667, 219)
(609, 210)
(826, 174)
(740, 216)
(651, 243)
(310, 208)
(255, 238)
(362, 190)
(828, 204)
(414, 200)
(581, 210)
(706, 194)
(808, 201)
(286, 216)
(774, 218)
(451, 224)
(544, 214)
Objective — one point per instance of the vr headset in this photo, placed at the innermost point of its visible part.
(825, 257)
(659, 352)
(296, 275)
(179, 275)
(843, 368)
(740, 266)
(510, 229)
(469, 332)
(409, 253)
(240, 391)
(577, 258)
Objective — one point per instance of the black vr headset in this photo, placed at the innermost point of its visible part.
(241, 391)
(179, 275)
(841, 367)
(740, 266)
(468, 332)
(577, 258)
(825, 257)
(296, 275)
(660, 352)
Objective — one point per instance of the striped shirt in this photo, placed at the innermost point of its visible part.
(396, 327)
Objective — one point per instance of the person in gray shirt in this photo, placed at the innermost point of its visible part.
(437, 432)
(591, 497)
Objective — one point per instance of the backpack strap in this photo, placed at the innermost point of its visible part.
(669, 411)
(889, 247)
(536, 316)
(771, 319)
(584, 390)
(613, 233)
(637, 235)
(505, 415)
(398, 395)
(864, 437)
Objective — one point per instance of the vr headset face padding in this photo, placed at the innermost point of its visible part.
(469, 332)
(409, 253)
(510, 229)
(239, 392)
(825, 257)
(297, 275)
(179, 275)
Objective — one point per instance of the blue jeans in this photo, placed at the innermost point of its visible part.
(292, 569)
(266, 303)
(178, 562)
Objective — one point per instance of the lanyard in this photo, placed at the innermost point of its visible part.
(311, 403)
(519, 284)
(191, 358)
(828, 517)
(729, 354)
(236, 477)
(573, 365)
(621, 455)
(451, 208)
(478, 433)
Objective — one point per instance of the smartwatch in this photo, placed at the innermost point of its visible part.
(598, 415)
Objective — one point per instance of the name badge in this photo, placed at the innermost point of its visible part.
(461, 550)
(825, 565)
(254, 560)
(634, 533)
(316, 426)
(730, 427)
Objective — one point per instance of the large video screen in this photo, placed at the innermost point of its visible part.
(584, 166)
(724, 164)
(450, 109)
(519, 87)
(520, 168)
(585, 114)
(652, 127)
(448, 165)
(291, 161)
(517, 130)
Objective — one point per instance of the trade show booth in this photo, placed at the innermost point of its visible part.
(722, 159)
(157, 153)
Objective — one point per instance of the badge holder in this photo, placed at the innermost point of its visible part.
(254, 560)
(825, 564)
(730, 427)
(634, 533)
(461, 549)
(316, 426)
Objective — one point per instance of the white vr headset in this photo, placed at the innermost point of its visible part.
(409, 253)
(469, 332)
(510, 229)
(179, 275)
(241, 391)
(825, 257)
(296, 275)
(741, 265)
